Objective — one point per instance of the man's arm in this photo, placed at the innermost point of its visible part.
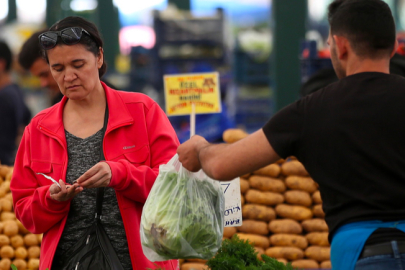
(227, 161)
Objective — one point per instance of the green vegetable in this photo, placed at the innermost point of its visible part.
(238, 254)
(183, 217)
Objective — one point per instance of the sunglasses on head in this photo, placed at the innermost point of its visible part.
(69, 36)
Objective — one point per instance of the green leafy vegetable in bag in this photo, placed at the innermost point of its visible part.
(183, 217)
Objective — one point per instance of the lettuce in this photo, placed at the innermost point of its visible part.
(183, 217)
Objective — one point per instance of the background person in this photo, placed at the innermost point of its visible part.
(64, 142)
(349, 136)
(31, 59)
(14, 113)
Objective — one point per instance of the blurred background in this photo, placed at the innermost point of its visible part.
(268, 52)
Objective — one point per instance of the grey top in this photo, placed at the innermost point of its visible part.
(84, 154)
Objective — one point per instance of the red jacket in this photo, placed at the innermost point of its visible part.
(139, 138)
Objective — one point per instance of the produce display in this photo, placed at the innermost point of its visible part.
(282, 215)
(17, 245)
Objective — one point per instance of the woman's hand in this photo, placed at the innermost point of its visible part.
(64, 192)
(97, 176)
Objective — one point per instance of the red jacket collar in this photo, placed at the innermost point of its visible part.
(118, 113)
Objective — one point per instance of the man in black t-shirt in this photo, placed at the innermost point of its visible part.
(350, 136)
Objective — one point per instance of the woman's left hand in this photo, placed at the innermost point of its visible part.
(97, 176)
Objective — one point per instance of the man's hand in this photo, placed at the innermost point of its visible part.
(64, 192)
(97, 176)
(188, 153)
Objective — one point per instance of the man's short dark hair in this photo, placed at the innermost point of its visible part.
(30, 51)
(367, 24)
(5, 53)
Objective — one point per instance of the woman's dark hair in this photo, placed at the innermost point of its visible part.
(92, 43)
(367, 24)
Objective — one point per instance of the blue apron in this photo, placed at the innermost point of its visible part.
(349, 240)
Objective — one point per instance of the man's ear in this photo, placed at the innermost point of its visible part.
(395, 48)
(342, 46)
(2, 65)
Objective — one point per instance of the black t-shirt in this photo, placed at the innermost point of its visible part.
(350, 136)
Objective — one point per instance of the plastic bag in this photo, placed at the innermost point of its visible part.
(183, 216)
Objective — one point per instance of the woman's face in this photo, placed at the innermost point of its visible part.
(75, 69)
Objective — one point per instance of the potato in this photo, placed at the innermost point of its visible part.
(233, 135)
(317, 253)
(258, 212)
(293, 212)
(289, 253)
(326, 264)
(293, 167)
(4, 170)
(33, 264)
(10, 228)
(31, 240)
(301, 183)
(305, 264)
(282, 260)
(17, 241)
(2, 192)
(260, 252)
(229, 232)
(9, 176)
(272, 170)
(255, 240)
(315, 225)
(298, 197)
(318, 211)
(193, 266)
(289, 240)
(7, 252)
(318, 239)
(316, 197)
(265, 183)
(6, 205)
(40, 236)
(6, 186)
(7, 216)
(254, 227)
(20, 264)
(197, 261)
(4, 240)
(21, 253)
(5, 264)
(9, 196)
(1, 226)
(244, 185)
(34, 252)
(21, 229)
(263, 197)
(285, 226)
(242, 200)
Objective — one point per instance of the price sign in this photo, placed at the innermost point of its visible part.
(233, 205)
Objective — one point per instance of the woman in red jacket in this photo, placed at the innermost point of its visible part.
(64, 142)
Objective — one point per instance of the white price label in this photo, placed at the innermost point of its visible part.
(233, 205)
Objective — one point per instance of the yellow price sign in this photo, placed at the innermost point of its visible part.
(182, 90)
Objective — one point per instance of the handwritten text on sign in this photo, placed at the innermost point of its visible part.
(233, 206)
(182, 90)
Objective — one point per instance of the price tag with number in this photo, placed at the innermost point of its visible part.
(233, 205)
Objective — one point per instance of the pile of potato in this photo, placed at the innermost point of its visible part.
(282, 214)
(17, 245)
